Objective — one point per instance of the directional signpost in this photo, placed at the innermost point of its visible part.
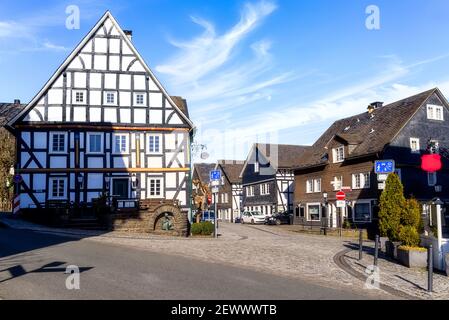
(383, 168)
(215, 178)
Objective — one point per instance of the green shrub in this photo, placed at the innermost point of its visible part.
(412, 214)
(407, 248)
(196, 228)
(409, 236)
(346, 224)
(207, 228)
(392, 206)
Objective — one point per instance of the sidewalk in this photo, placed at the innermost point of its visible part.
(410, 281)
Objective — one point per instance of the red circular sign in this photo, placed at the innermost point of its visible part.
(431, 162)
(341, 196)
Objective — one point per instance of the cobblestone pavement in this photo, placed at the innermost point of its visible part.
(276, 250)
(410, 281)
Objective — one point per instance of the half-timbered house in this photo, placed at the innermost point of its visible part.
(267, 177)
(103, 123)
(230, 191)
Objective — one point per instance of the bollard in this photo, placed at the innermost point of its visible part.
(376, 251)
(360, 244)
(430, 267)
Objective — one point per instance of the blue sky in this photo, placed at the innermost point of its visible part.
(267, 71)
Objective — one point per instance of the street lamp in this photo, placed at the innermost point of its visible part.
(80, 180)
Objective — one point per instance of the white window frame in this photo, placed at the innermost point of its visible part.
(105, 98)
(309, 186)
(161, 185)
(317, 187)
(336, 154)
(418, 145)
(370, 211)
(264, 189)
(250, 191)
(432, 112)
(148, 143)
(65, 142)
(319, 211)
(50, 189)
(74, 93)
(337, 187)
(256, 167)
(144, 103)
(88, 142)
(434, 177)
(362, 181)
(114, 151)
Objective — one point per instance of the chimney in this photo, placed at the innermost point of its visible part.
(129, 34)
(373, 106)
(17, 102)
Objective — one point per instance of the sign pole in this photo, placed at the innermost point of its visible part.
(215, 216)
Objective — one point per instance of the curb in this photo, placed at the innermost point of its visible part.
(341, 262)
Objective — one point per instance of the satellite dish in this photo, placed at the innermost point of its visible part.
(204, 155)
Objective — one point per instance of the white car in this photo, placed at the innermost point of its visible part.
(253, 217)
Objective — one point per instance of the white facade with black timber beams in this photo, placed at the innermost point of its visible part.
(103, 123)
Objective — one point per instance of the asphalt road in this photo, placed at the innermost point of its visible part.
(32, 266)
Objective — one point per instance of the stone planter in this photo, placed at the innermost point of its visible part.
(412, 258)
(391, 248)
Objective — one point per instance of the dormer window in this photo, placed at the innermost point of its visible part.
(339, 154)
(256, 167)
(435, 112)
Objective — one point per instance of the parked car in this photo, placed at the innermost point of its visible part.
(253, 217)
(279, 218)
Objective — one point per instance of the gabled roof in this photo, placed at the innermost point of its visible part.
(232, 169)
(74, 54)
(182, 104)
(369, 133)
(9, 111)
(282, 156)
(203, 170)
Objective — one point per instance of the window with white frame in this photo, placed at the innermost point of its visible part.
(309, 186)
(435, 112)
(339, 154)
(58, 142)
(58, 188)
(94, 142)
(361, 180)
(362, 212)
(256, 167)
(317, 185)
(415, 145)
(224, 198)
(120, 143)
(313, 212)
(154, 143)
(264, 189)
(155, 187)
(250, 191)
(432, 179)
(110, 98)
(338, 183)
(139, 99)
(78, 97)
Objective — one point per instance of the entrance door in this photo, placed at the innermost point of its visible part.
(120, 188)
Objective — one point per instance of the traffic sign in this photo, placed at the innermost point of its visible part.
(382, 177)
(215, 175)
(341, 204)
(215, 190)
(384, 166)
(341, 196)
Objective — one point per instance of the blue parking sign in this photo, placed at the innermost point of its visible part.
(215, 175)
(384, 167)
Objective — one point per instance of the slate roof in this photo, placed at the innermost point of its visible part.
(182, 104)
(287, 155)
(203, 170)
(9, 111)
(232, 170)
(368, 133)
